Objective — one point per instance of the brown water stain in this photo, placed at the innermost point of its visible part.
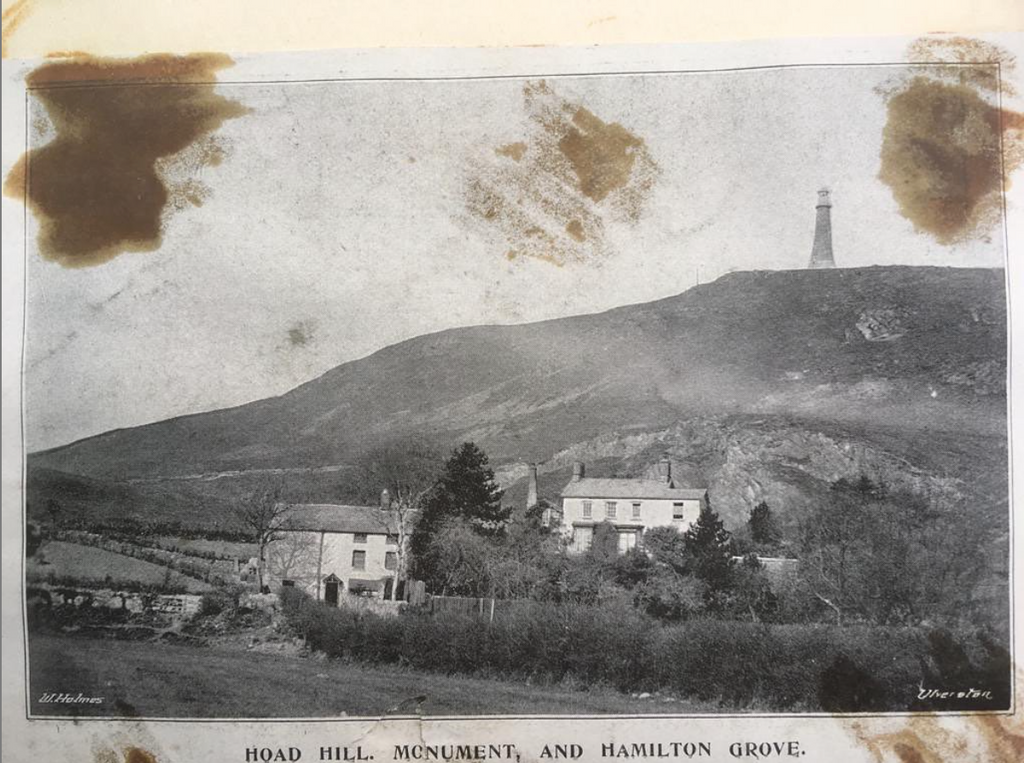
(927, 739)
(138, 755)
(130, 136)
(947, 147)
(514, 151)
(13, 18)
(602, 155)
(129, 755)
(575, 229)
(965, 54)
(550, 195)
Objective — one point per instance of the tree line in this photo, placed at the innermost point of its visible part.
(863, 553)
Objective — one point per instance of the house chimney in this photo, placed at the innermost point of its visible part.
(665, 470)
(577, 471)
(385, 499)
(531, 487)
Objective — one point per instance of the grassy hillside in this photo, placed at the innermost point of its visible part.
(764, 385)
(95, 566)
(867, 345)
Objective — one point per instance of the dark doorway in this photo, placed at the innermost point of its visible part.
(331, 593)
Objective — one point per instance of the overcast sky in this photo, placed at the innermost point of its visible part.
(338, 224)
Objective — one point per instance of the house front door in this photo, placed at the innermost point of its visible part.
(331, 593)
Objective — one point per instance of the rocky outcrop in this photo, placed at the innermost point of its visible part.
(882, 324)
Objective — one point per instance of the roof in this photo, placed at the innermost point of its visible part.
(609, 487)
(338, 518)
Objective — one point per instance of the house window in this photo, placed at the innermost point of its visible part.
(359, 538)
(611, 509)
(678, 513)
(359, 560)
(627, 541)
(636, 510)
(582, 538)
(392, 540)
(588, 509)
(391, 560)
(287, 583)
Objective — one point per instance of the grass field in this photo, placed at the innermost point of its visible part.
(161, 680)
(204, 546)
(90, 564)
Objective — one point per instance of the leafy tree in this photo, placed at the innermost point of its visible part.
(667, 546)
(456, 560)
(465, 490)
(709, 545)
(632, 568)
(604, 546)
(763, 528)
(667, 595)
(753, 592)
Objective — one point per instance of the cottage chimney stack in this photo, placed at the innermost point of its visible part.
(385, 500)
(531, 487)
(665, 470)
(577, 471)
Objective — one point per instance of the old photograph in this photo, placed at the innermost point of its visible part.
(669, 392)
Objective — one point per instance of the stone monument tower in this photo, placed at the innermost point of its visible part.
(821, 254)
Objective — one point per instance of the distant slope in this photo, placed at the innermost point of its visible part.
(900, 349)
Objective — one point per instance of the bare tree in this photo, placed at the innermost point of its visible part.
(293, 556)
(408, 472)
(264, 515)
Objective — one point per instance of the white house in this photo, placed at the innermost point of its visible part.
(631, 505)
(332, 550)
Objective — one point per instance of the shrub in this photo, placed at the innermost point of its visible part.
(741, 664)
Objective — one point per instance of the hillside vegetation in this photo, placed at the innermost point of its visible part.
(763, 386)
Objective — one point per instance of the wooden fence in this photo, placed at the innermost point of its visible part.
(486, 608)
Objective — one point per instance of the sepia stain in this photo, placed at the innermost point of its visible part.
(926, 739)
(551, 195)
(947, 147)
(575, 229)
(138, 755)
(301, 334)
(131, 138)
(964, 54)
(13, 18)
(602, 155)
(129, 754)
(514, 151)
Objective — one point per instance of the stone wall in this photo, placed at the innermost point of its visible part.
(175, 605)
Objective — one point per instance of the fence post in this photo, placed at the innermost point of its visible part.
(492, 610)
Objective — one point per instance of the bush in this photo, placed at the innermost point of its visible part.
(214, 602)
(741, 664)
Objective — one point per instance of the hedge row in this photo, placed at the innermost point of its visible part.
(740, 664)
(206, 569)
